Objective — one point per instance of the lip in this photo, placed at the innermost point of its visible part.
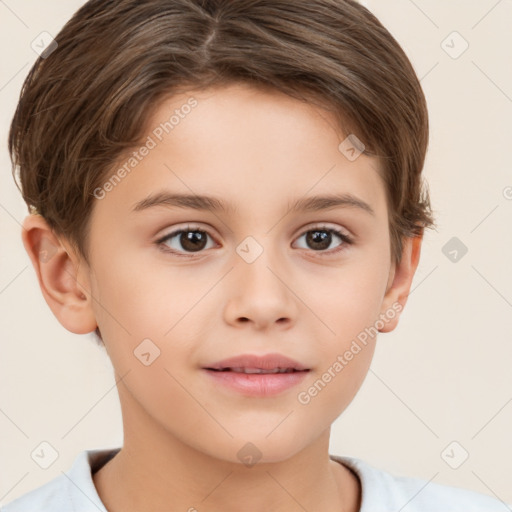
(257, 384)
(265, 362)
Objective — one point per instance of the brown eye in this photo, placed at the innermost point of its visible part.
(184, 241)
(321, 239)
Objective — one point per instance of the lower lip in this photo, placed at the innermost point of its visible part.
(258, 384)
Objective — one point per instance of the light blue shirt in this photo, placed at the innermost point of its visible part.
(74, 491)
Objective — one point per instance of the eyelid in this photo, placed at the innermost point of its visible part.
(327, 226)
(187, 227)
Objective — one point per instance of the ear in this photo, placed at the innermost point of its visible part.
(399, 282)
(63, 279)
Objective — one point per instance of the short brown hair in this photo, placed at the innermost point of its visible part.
(88, 101)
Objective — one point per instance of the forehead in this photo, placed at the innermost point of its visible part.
(247, 146)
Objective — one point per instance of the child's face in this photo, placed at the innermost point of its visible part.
(258, 153)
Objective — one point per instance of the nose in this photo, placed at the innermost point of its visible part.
(260, 294)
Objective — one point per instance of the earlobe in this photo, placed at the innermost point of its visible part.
(58, 272)
(400, 281)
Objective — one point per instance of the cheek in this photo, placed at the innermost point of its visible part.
(150, 322)
(346, 299)
(348, 306)
(146, 298)
(344, 366)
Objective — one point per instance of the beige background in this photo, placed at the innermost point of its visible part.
(444, 375)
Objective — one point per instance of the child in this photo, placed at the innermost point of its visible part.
(289, 136)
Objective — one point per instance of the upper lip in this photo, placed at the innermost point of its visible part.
(265, 362)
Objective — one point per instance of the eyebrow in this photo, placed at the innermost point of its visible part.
(203, 202)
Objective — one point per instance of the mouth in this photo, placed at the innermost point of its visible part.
(257, 376)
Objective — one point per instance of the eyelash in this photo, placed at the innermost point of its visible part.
(347, 240)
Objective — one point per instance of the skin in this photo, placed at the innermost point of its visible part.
(259, 150)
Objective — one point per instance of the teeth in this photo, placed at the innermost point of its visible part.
(259, 370)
